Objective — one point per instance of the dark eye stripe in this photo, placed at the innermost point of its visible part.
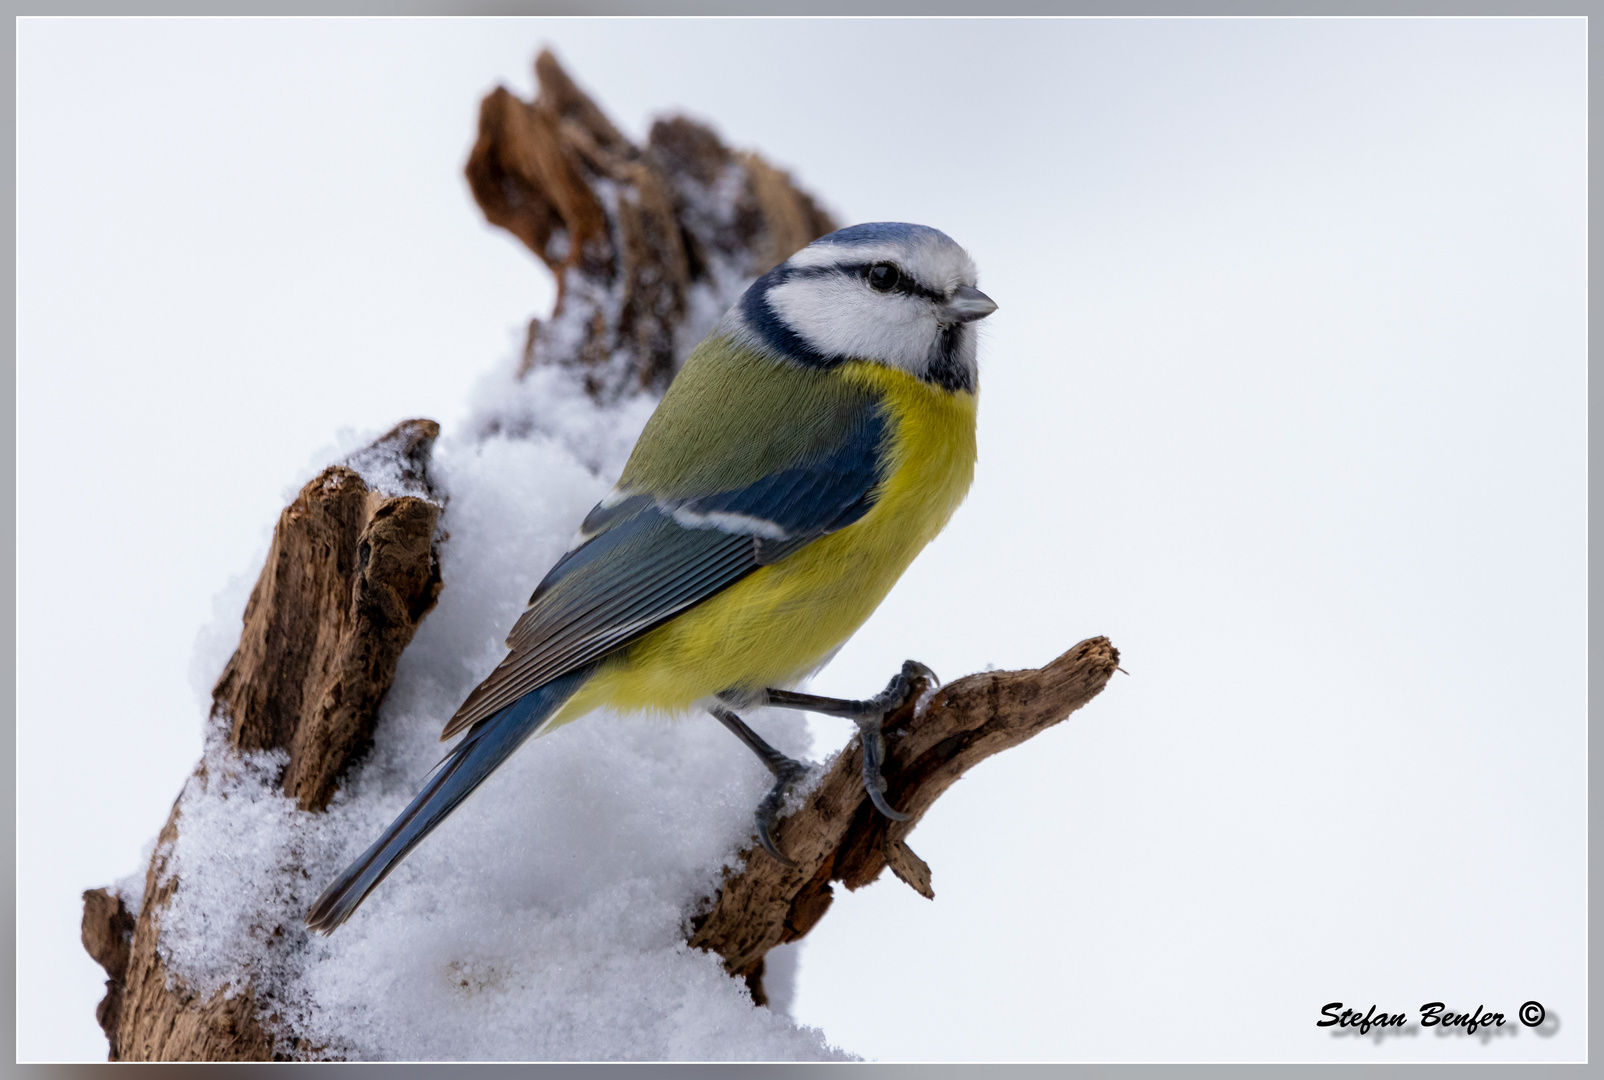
(909, 285)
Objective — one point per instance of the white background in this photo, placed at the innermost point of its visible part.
(1286, 395)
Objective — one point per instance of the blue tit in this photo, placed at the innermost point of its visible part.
(809, 448)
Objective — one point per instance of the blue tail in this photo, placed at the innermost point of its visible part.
(488, 744)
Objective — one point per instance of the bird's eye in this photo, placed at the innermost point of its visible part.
(883, 277)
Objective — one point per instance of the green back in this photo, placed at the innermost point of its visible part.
(734, 415)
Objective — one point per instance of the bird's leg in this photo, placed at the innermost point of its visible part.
(787, 771)
(869, 715)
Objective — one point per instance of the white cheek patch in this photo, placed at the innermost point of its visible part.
(839, 315)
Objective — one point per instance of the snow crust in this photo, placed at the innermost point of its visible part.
(545, 919)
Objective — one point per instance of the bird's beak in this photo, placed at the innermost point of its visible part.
(968, 304)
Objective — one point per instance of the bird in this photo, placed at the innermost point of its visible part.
(807, 450)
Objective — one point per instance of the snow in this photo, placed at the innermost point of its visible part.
(131, 889)
(546, 918)
(710, 212)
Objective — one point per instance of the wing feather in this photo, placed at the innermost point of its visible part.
(641, 561)
(552, 639)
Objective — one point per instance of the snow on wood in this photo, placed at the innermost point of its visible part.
(601, 897)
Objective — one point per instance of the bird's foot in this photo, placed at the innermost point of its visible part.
(895, 695)
(874, 755)
(787, 771)
(786, 776)
(870, 716)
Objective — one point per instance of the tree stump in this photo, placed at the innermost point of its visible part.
(649, 246)
(352, 570)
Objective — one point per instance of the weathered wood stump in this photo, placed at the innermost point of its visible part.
(649, 245)
(838, 835)
(351, 572)
(632, 234)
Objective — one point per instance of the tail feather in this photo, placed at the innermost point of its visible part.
(488, 744)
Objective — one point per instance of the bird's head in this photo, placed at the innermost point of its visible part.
(889, 293)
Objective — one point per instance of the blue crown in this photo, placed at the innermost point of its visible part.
(876, 232)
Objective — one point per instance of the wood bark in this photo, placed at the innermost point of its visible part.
(837, 835)
(629, 232)
(351, 572)
(643, 242)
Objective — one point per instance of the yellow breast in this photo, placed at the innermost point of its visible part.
(780, 623)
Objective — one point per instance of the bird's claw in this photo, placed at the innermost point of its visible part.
(870, 716)
(873, 783)
(912, 669)
(870, 725)
(895, 695)
(768, 811)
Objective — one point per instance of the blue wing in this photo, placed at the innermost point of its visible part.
(462, 771)
(643, 559)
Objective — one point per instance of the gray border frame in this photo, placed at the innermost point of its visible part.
(824, 8)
